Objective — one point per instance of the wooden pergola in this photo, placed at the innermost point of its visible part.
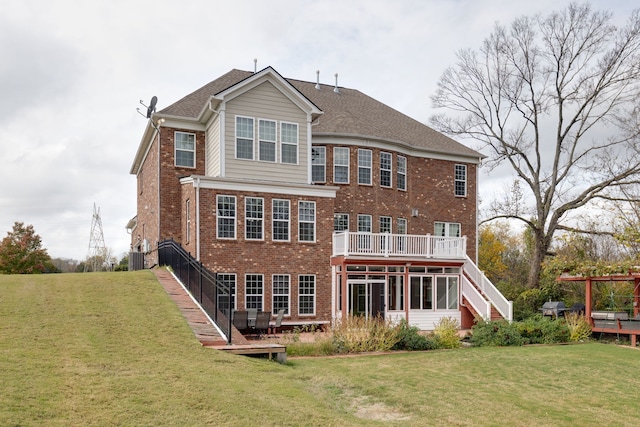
(611, 322)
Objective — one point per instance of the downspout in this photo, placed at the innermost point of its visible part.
(197, 185)
(157, 125)
(477, 207)
(309, 150)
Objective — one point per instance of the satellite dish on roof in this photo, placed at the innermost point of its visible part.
(152, 107)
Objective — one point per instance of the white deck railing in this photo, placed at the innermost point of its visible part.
(504, 306)
(350, 243)
(475, 298)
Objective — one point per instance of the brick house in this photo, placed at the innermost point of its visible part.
(315, 199)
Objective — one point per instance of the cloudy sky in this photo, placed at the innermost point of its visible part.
(72, 74)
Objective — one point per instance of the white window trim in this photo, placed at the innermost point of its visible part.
(235, 218)
(315, 220)
(340, 213)
(390, 169)
(235, 293)
(390, 223)
(253, 141)
(370, 223)
(296, 144)
(323, 164)
(370, 167)
(456, 180)
(175, 150)
(288, 294)
(245, 289)
(402, 173)
(274, 142)
(447, 227)
(273, 220)
(315, 294)
(246, 218)
(348, 165)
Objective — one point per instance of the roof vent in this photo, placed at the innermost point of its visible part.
(255, 65)
(335, 89)
(318, 79)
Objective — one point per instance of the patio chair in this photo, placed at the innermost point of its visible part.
(262, 322)
(241, 320)
(274, 328)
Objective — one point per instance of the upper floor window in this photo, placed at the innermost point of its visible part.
(385, 169)
(341, 165)
(226, 217)
(280, 215)
(244, 138)
(185, 149)
(402, 172)
(307, 221)
(318, 164)
(385, 224)
(402, 226)
(340, 222)
(254, 218)
(461, 180)
(364, 223)
(447, 229)
(267, 140)
(289, 143)
(364, 166)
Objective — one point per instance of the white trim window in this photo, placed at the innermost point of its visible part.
(228, 280)
(280, 293)
(185, 149)
(365, 161)
(289, 143)
(306, 221)
(447, 292)
(402, 226)
(447, 229)
(254, 218)
(385, 169)
(460, 180)
(421, 292)
(364, 223)
(281, 213)
(253, 291)
(318, 164)
(267, 140)
(341, 165)
(340, 222)
(244, 137)
(226, 217)
(306, 295)
(385, 224)
(401, 175)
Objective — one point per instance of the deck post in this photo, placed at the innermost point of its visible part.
(587, 300)
(636, 297)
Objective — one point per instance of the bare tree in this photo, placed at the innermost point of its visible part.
(556, 98)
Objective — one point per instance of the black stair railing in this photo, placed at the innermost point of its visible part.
(213, 295)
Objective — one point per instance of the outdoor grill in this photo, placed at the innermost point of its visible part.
(553, 308)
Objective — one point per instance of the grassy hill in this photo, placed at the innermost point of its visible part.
(112, 349)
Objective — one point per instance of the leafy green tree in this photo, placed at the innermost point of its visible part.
(21, 252)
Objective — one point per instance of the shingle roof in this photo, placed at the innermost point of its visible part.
(347, 113)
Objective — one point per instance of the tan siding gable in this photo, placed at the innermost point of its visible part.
(265, 102)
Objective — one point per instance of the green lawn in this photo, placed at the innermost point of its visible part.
(112, 349)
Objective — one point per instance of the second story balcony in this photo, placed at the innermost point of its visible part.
(349, 243)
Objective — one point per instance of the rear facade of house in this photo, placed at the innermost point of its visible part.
(315, 199)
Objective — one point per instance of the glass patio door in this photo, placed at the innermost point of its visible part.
(366, 298)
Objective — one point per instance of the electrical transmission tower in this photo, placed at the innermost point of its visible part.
(97, 253)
